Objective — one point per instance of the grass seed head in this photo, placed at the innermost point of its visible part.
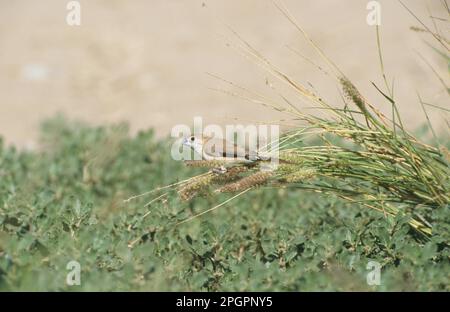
(204, 163)
(300, 175)
(446, 153)
(352, 93)
(291, 157)
(256, 179)
(198, 185)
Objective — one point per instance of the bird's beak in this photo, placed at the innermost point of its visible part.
(184, 141)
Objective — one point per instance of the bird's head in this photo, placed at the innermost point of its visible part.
(194, 142)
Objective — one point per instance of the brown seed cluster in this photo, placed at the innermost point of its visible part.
(231, 174)
(204, 163)
(253, 180)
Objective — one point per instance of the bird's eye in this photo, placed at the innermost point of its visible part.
(192, 139)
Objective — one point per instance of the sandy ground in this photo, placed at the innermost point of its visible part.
(145, 61)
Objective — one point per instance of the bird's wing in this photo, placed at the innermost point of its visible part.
(222, 148)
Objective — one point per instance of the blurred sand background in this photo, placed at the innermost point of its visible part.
(144, 61)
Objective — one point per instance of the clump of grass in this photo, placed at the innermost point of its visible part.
(359, 154)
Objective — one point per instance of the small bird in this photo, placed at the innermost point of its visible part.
(218, 149)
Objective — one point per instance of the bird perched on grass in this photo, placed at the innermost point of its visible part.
(215, 149)
(219, 149)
